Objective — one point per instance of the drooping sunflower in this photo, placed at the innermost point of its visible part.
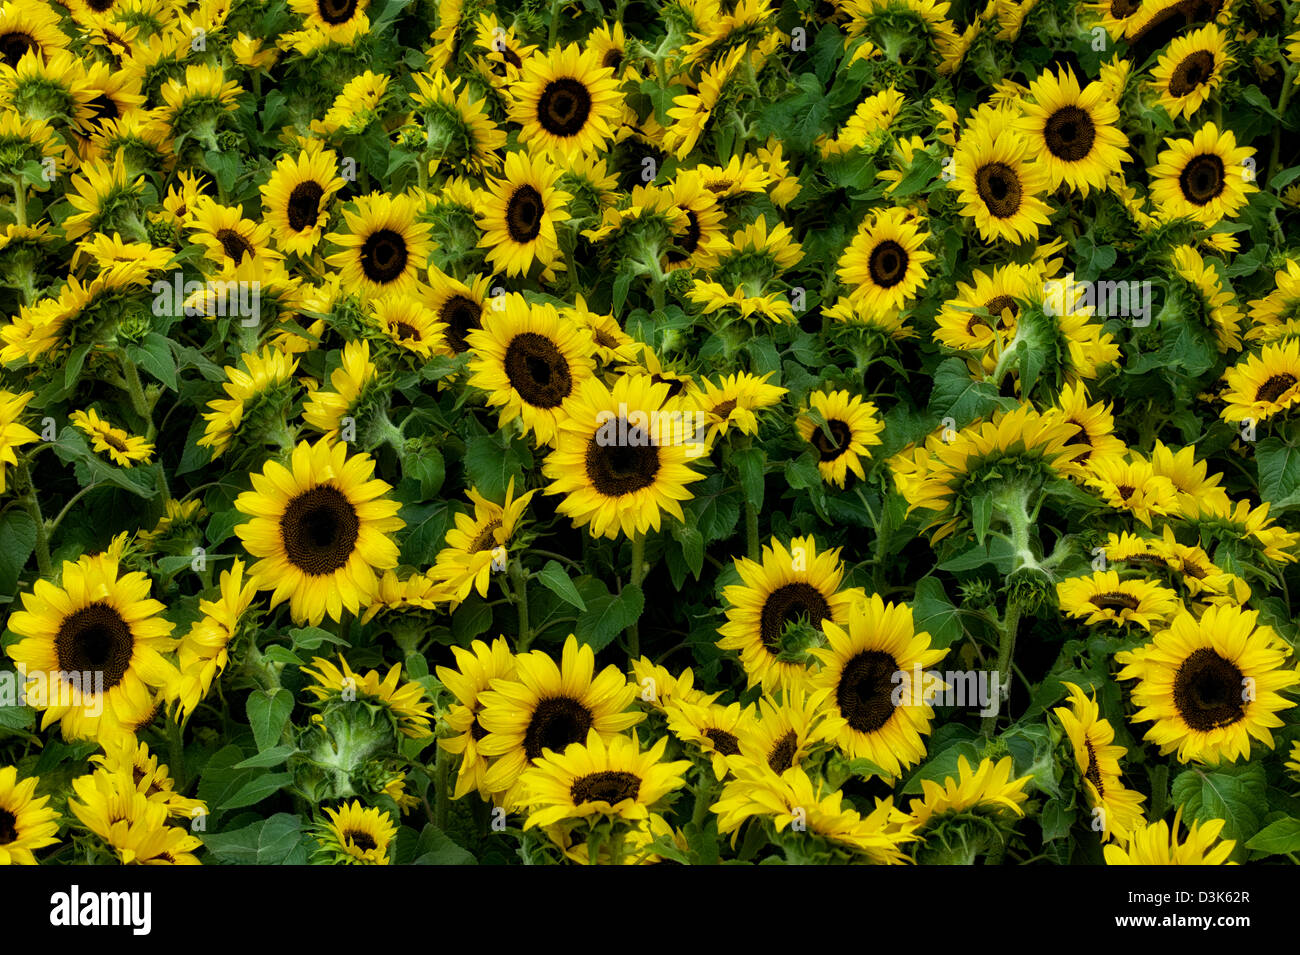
(566, 101)
(864, 666)
(999, 184)
(854, 426)
(263, 376)
(1105, 598)
(1204, 178)
(385, 248)
(351, 381)
(103, 190)
(477, 544)
(1210, 685)
(987, 788)
(1191, 70)
(1157, 844)
(132, 758)
(357, 835)
(27, 822)
(405, 702)
(92, 649)
(885, 262)
(1073, 131)
(733, 401)
(620, 457)
(1131, 485)
(783, 587)
(960, 325)
(1190, 477)
(321, 530)
(298, 195)
(1264, 384)
(1097, 757)
(529, 361)
(518, 220)
(204, 651)
(128, 823)
(13, 434)
(1095, 424)
(477, 668)
(617, 779)
(549, 707)
(459, 129)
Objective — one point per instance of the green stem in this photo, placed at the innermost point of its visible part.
(20, 200)
(42, 532)
(751, 528)
(519, 580)
(135, 390)
(54, 525)
(1288, 82)
(442, 792)
(176, 753)
(638, 575)
(1006, 649)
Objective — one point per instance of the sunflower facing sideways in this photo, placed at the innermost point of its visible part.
(1104, 598)
(476, 546)
(530, 361)
(1210, 685)
(518, 220)
(385, 248)
(1157, 844)
(1205, 178)
(321, 529)
(27, 823)
(620, 457)
(1264, 384)
(850, 427)
(263, 378)
(1073, 131)
(548, 707)
(123, 449)
(566, 101)
(864, 665)
(104, 630)
(405, 702)
(476, 669)
(1097, 758)
(784, 587)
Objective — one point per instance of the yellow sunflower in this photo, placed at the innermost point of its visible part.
(1097, 758)
(999, 183)
(1104, 598)
(884, 264)
(27, 822)
(1204, 178)
(1157, 844)
(263, 375)
(477, 544)
(298, 195)
(1264, 384)
(385, 248)
(358, 835)
(477, 668)
(1191, 70)
(1073, 132)
(406, 702)
(565, 101)
(519, 216)
(850, 427)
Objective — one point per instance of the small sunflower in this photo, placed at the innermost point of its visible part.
(27, 823)
(385, 248)
(1095, 424)
(1131, 485)
(1104, 598)
(351, 381)
(518, 220)
(1097, 758)
(477, 668)
(405, 702)
(410, 323)
(885, 263)
(1205, 178)
(204, 651)
(783, 733)
(851, 426)
(298, 195)
(357, 835)
(263, 376)
(1073, 131)
(712, 728)
(1191, 70)
(985, 789)
(1157, 844)
(477, 544)
(461, 306)
(13, 434)
(733, 401)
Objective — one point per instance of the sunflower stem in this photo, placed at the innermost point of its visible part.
(1006, 648)
(176, 753)
(519, 582)
(1283, 99)
(136, 392)
(637, 575)
(442, 797)
(20, 200)
(42, 533)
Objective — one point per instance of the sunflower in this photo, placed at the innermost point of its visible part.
(1073, 131)
(885, 262)
(459, 128)
(102, 191)
(1191, 70)
(620, 457)
(27, 823)
(351, 381)
(1204, 178)
(357, 835)
(459, 305)
(785, 586)
(263, 376)
(413, 592)
(477, 544)
(661, 689)
(122, 448)
(28, 26)
(409, 322)
(330, 15)
(1217, 302)
(405, 702)
(1189, 476)
(733, 401)
(92, 649)
(1097, 758)
(712, 728)
(321, 530)
(477, 668)
(566, 101)
(986, 789)
(1277, 314)
(1133, 486)
(1157, 844)
(999, 184)
(548, 707)
(132, 758)
(359, 105)
(591, 778)
(130, 824)
(783, 733)
(1264, 384)
(864, 666)
(613, 345)
(530, 361)
(692, 112)
(385, 249)
(961, 324)
(848, 427)
(518, 220)
(1095, 424)
(226, 234)
(204, 651)
(1104, 598)
(1210, 685)
(297, 197)
(203, 96)
(13, 435)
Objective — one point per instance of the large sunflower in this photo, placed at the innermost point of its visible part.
(529, 362)
(620, 457)
(800, 583)
(566, 101)
(26, 822)
(851, 427)
(999, 184)
(297, 197)
(518, 219)
(1204, 178)
(1210, 685)
(961, 324)
(1074, 131)
(92, 649)
(321, 528)
(385, 248)
(864, 667)
(1097, 758)
(885, 262)
(548, 707)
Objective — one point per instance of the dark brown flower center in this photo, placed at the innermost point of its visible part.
(1202, 179)
(383, 256)
(538, 370)
(828, 449)
(362, 840)
(462, 314)
(998, 186)
(104, 107)
(687, 243)
(234, 244)
(14, 45)
(524, 214)
(564, 107)
(486, 538)
(611, 786)
(8, 827)
(865, 691)
(1195, 69)
(405, 332)
(888, 264)
(1208, 691)
(336, 11)
(556, 722)
(1093, 773)
(1114, 600)
(624, 467)
(99, 6)
(114, 442)
(1070, 134)
(787, 604)
(781, 756)
(613, 58)
(95, 640)
(1119, 9)
(319, 530)
(1275, 387)
(304, 205)
(723, 742)
(724, 408)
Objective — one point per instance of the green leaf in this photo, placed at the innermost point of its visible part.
(256, 789)
(554, 579)
(310, 638)
(155, 356)
(471, 619)
(750, 464)
(1056, 820)
(692, 542)
(608, 616)
(956, 396)
(268, 714)
(1279, 469)
(273, 841)
(427, 467)
(1236, 796)
(17, 541)
(437, 848)
(935, 614)
(271, 757)
(1277, 838)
